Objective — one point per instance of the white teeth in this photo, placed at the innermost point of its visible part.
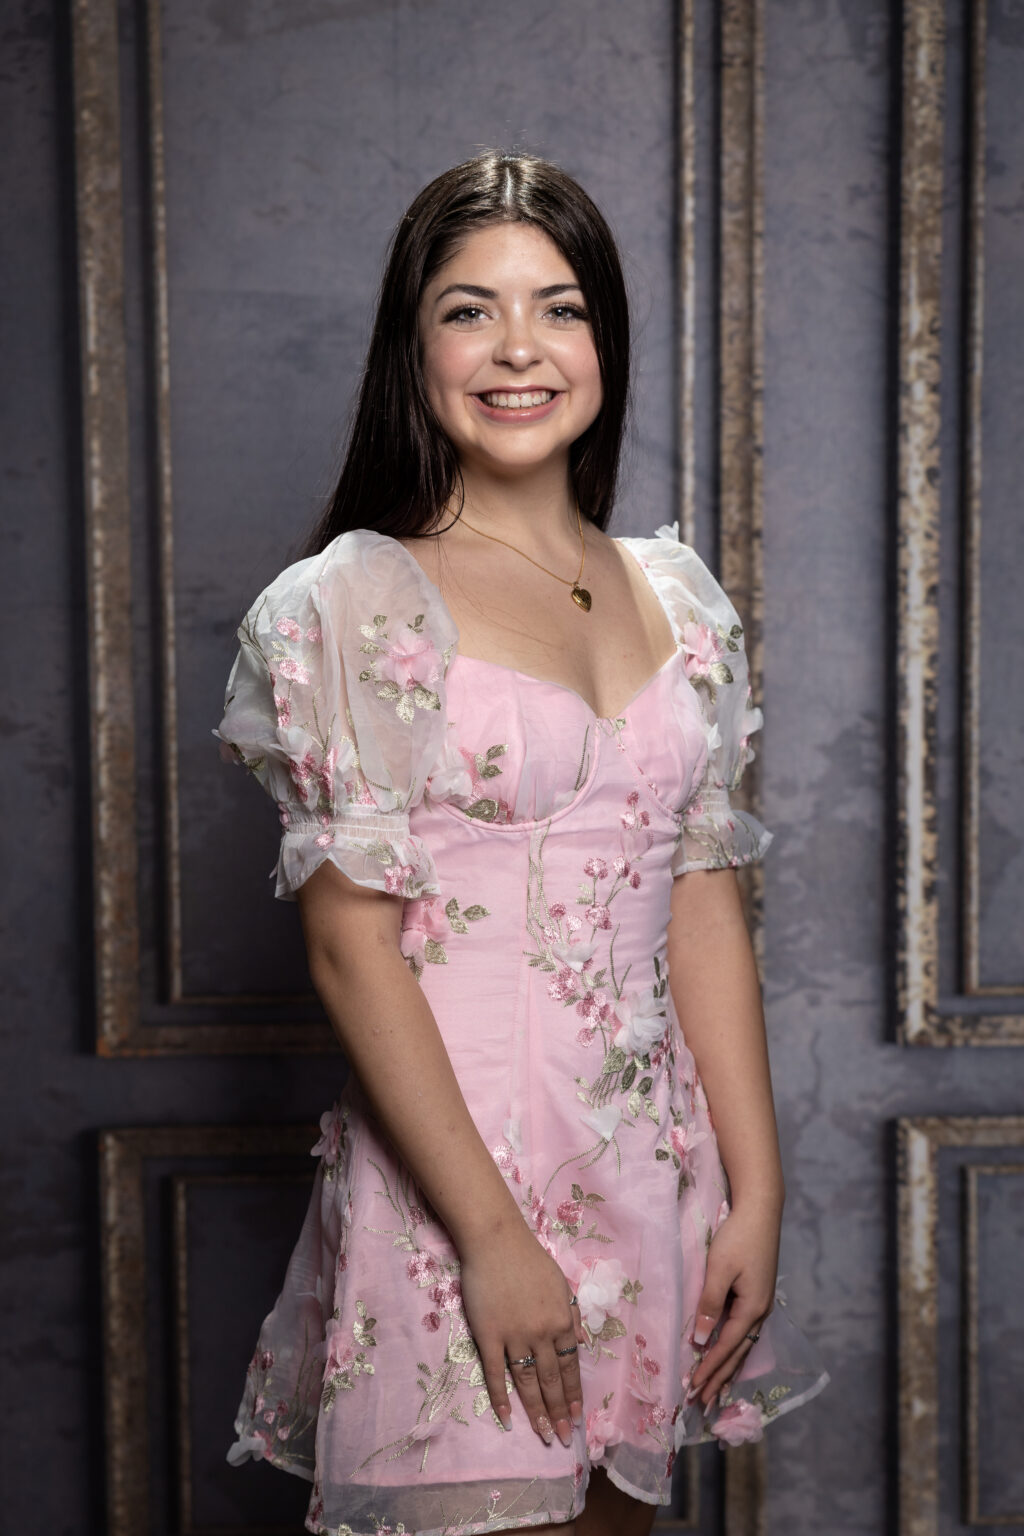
(516, 402)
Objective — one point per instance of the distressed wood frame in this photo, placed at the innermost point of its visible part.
(919, 1142)
(922, 1017)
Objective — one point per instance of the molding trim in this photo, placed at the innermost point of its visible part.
(922, 1020)
(919, 1141)
(123, 1237)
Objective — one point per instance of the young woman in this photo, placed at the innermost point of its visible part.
(502, 744)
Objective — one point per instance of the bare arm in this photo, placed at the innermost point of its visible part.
(717, 995)
(516, 1298)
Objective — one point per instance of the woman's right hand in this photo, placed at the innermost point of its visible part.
(517, 1304)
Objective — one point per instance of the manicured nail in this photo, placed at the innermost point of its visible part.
(564, 1432)
(576, 1413)
(544, 1429)
(505, 1414)
(691, 1393)
(702, 1332)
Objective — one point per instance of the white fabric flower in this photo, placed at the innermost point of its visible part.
(668, 531)
(604, 1121)
(642, 1021)
(244, 1447)
(599, 1290)
(574, 955)
(450, 778)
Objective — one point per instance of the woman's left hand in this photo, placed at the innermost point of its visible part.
(739, 1292)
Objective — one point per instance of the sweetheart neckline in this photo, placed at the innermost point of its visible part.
(532, 676)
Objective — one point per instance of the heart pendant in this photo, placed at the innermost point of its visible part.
(581, 597)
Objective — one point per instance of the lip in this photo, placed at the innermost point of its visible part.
(524, 413)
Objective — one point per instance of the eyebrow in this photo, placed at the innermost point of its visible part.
(491, 293)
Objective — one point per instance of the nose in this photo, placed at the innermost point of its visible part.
(516, 342)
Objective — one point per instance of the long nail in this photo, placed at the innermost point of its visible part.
(544, 1429)
(702, 1333)
(564, 1432)
(576, 1413)
(505, 1414)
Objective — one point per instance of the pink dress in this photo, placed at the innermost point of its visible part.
(535, 845)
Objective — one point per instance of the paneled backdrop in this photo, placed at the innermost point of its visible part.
(821, 209)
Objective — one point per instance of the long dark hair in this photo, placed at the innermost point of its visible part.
(401, 469)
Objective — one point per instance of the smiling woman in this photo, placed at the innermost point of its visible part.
(534, 1266)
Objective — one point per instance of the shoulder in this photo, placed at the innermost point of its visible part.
(687, 587)
(361, 578)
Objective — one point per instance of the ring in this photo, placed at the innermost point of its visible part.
(753, 1337)
(570, 1349)
(574, 1301)
(526, 1361)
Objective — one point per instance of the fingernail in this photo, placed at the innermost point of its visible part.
(505, 1414)
(564, 1432)
(691, 1393)
(702, 1332)
(576, 1413)
(544, 1430)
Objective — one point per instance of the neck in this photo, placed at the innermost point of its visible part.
(537, 509)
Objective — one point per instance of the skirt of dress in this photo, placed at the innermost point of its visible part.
(366, 1380)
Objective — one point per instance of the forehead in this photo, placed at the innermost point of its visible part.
(509, 253)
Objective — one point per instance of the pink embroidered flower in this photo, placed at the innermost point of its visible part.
(642, 1021)
(324, 840)
(431, 1322)
(557, 910)
(601, 1432)
(596, 867)
(283, 1431)
(289, 629)
(585, 1036)
(314, 634)
(294, 671)
(703, 649)
(417, 1217)
(266, 1359)
(621, 867)
(634, 879)
(447, 1294)
(340, 1352)
(683, 1139)
(422, 1268)
(283, 705)
(332, 1126)
(640, 1340)
(598, 1290)
(395, 878)
(562, 985)
(570, 1212)
(539, 1216)
(599, 916)
(651, 1366)
(412, 661)
(739, 1422)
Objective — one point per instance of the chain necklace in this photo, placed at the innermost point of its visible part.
(580, 596)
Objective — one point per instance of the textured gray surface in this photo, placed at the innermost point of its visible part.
(265, 328)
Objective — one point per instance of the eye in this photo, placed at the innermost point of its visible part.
(465, 314)
(565, 313)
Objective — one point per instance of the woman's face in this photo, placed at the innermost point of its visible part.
(507, 351)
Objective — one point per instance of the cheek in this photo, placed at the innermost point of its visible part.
(448, 362)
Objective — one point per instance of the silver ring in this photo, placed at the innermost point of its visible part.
(526, 1361)
(570, 1349)
(753, 1337)
(574, 1301)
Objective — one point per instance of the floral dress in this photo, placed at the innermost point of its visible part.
(535, 845)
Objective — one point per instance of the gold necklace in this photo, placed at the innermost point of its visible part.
(580, 596)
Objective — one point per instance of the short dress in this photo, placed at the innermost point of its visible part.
(535, 845)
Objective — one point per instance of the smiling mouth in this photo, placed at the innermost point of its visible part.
(504, 399)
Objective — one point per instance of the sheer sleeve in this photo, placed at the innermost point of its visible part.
(714, 834)
(336, 705)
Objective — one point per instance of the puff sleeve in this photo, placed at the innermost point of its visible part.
(336, 705)
(714, 834)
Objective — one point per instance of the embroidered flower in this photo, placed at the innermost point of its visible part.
(395, 878)
(283, 705)
(557, 910)
(596, 867)
(599, 916)
(451, 777)
(293, 670)
(423, 919)
(703, 649)
(598, 1290)
(642, 1021)
(314, 634)
(739, 1422)
(683, 1139)
(562, 986)
(289, 629)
